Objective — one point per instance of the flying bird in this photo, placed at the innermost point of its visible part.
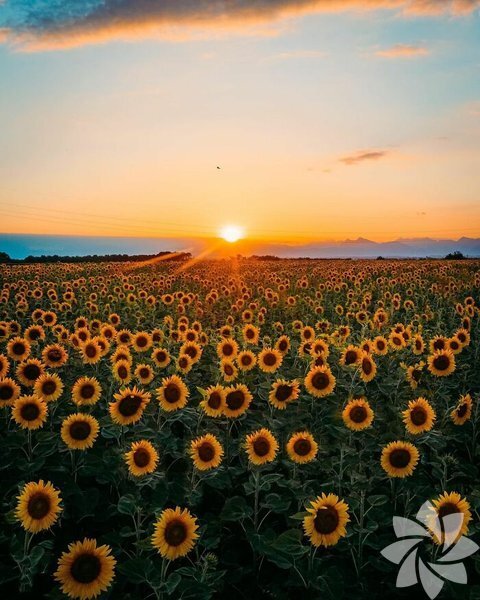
(218, 167)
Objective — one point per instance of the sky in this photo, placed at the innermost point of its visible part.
(328, 119)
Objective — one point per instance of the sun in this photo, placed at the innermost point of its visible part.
(231, 233)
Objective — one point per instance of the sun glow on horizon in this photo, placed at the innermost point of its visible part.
(231, 233)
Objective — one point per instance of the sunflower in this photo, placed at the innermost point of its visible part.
(128, 406)
(250, 334)
(269, 360)
(34, 333)
(175, 533)
(350, 356)
(368, 367)
(357, 414)
(320, 381)
(18, 349)
(29, 371)
(54, 355)
(91, 352)
(283, 344)
(397, 341)
(246, 360)
(399, 459)
(121, 353)
(85, 570)
(438, 343)
(4, 365)
(121, 370)
(237, 400)
(9, 392)
(462, 412)
(30, 412)
(228, 369)
(161, 357)
(261, 446)
(144, 373)
(227, 348)
(283, 392)
(419, 416)
(214, 401)
(302, 447)
(193, 350)
(206, 452)
(325, 524)
(38, 506)
(380, 345)
(414, 374)
(441, 363)
(447, 531)
(79, 431)
(184, 363)
(173, 393)
(142, 341)
(142, 458)
(49, 387)
(86, 391)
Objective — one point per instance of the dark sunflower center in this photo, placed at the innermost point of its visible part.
(141, 342)
(461, 410)
(124, 338)
(34, 334)
(439, 344)
(18, 348)
(80, 430)
(380, 345)
(302, 447)
(49, 387)
(87, 391)
(141, 457)
(228, 369)
(246, 360)
(31, 372)
(320, 381)
(418, 415)
(367, 366)
(39, 506)
(441, 363)
(350, 357)
(122, 372)
(261, 446)
(6, 392)
(191, 351)
(416, 374)
(235, 399)
(399, 458)
(358, 414)
(449, 508)
(283, 392)
(54, 355)
(161, 356)
(129, 405)
(270, 359)
(175, 533)
(326, 520)
(215, 400)
(282, 346)
(91, 351)
(30, 411)
(172, 393)
(86, 568)
(144, 373)
(227, 350)
(250, 334)
(206, 452)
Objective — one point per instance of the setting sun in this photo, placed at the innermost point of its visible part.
(231, 233)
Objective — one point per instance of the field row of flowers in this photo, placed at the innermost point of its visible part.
(235, 428)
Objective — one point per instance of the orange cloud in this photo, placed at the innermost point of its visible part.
(184, 19)
(403, 51)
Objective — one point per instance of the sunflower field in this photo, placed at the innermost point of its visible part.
(234, 428)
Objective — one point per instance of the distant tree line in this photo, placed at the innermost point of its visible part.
(95, 258)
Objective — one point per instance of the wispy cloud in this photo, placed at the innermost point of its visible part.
(363, 156)
(294, 54)
(403, 51)
(62, 24)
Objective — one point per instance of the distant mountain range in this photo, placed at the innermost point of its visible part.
(22, 245)
(363, 248)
